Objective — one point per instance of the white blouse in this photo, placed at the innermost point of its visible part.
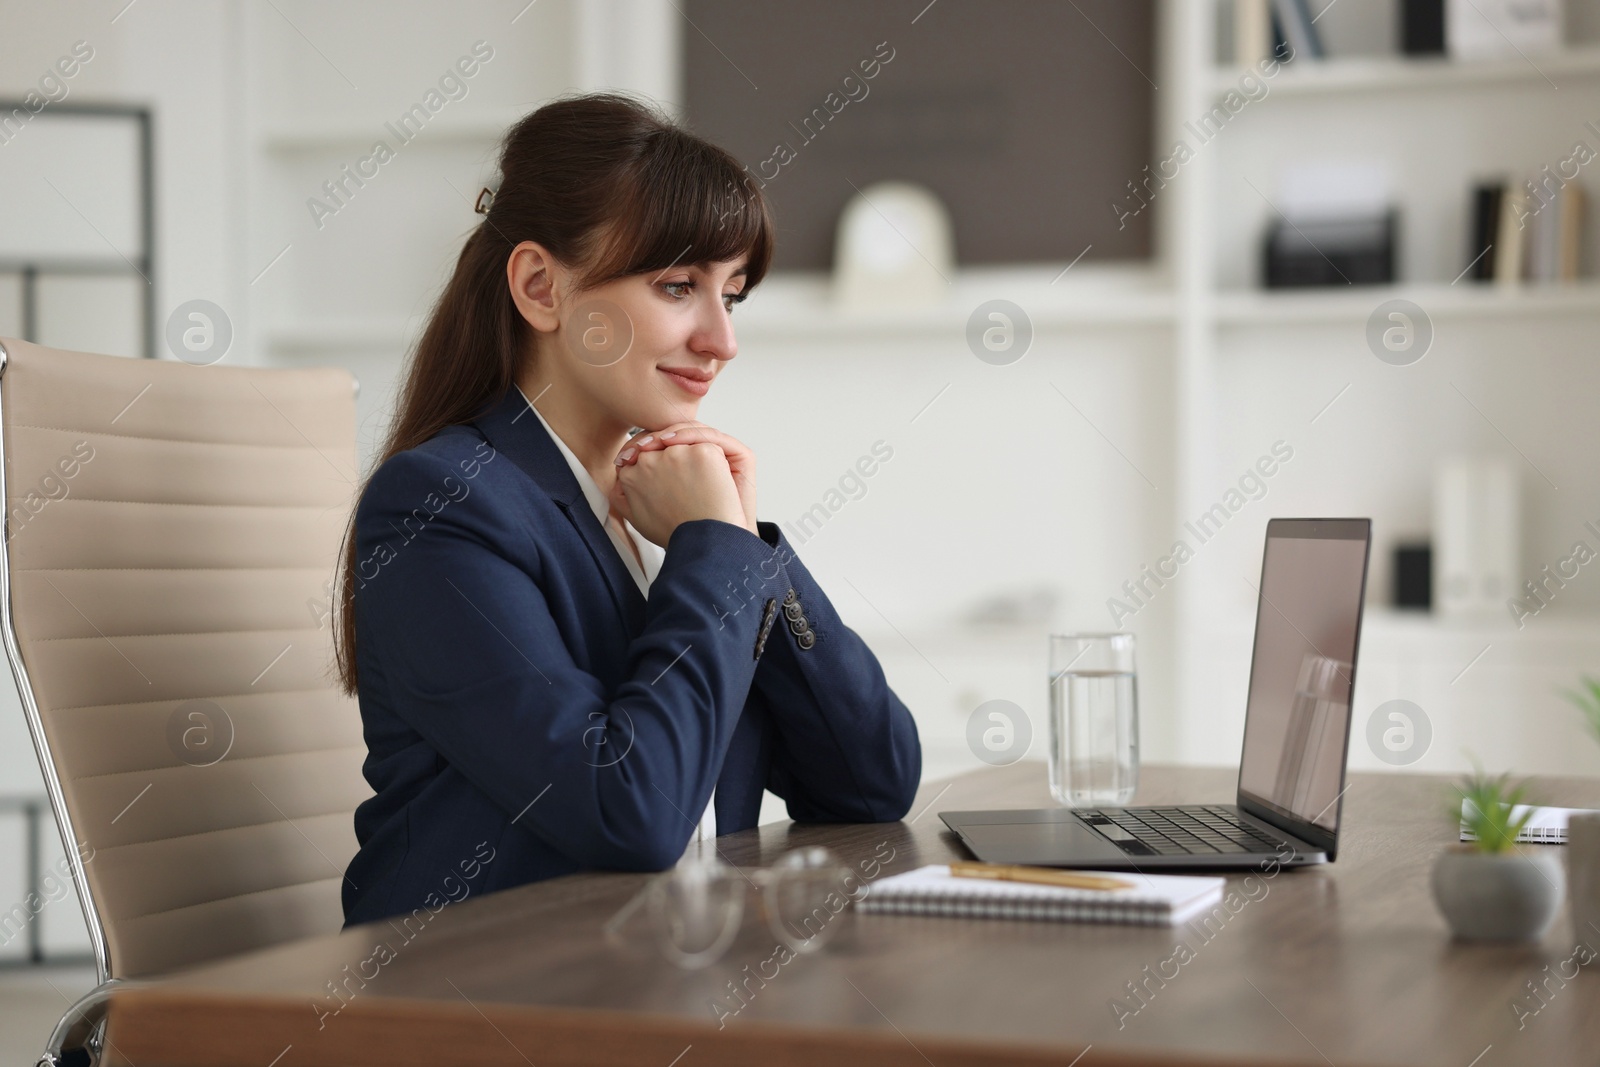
(622, 533)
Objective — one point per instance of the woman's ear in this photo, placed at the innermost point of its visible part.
(537, 280)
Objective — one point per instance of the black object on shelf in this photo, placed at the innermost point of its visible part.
(1330, 251)
(1422, 27)
(1413, 576)
(1486, 205)
(1280, 44)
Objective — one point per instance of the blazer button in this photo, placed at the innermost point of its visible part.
(799, 626)
(806, 639)
(794, 611)
(790, 597)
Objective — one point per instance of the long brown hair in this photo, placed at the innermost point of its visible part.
(611, 187)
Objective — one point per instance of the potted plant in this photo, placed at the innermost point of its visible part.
(1489, 888)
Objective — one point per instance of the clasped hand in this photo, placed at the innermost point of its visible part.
(682, 472)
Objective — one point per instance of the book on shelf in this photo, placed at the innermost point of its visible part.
(1421, 27)
(1508, 249)
(1570, 237)
(1486, 203)
(1543, 240)
(1295, 25)
(1527, 231)
(1252, 32)
(1476, 542)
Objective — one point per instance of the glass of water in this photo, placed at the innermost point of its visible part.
(1094, 720)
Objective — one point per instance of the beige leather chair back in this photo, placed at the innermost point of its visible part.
(171, 536)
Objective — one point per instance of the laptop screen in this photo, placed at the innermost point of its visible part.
(1302, 673)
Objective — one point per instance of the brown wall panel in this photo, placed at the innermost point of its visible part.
(1027, 117)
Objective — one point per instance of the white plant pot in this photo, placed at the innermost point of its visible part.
(1506, 896)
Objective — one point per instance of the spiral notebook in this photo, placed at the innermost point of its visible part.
(1154, 899)
(1545, 826)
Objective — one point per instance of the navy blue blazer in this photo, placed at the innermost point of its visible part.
(528, 713)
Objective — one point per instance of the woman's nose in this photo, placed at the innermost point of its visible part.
(715, 336)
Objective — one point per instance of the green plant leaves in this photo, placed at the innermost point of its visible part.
(1587, 702)
(1488, 811)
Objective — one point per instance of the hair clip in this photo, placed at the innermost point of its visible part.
(485, 201)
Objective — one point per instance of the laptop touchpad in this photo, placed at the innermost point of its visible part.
(1037, 842)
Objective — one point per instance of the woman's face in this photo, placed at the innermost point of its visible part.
(645, 349)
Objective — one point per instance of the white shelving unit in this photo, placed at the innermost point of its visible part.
(1393, 74)
(1462, 300)
(1239, 346)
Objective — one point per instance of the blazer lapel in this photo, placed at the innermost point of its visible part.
(516, 432)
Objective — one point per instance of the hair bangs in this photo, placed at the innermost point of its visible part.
(684, 202)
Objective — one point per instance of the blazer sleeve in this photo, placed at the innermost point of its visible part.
(476, 666)
(846, 747)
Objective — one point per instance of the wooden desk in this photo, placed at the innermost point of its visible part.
(1344, 964)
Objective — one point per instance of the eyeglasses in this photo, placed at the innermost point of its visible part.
(693, 912)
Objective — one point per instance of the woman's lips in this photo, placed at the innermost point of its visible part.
(688, 385)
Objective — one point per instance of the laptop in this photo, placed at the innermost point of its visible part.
(1296, 736)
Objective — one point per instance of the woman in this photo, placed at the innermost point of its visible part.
(574, 645)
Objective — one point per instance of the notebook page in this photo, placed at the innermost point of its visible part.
(1175, 891)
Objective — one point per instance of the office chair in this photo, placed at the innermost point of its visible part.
(166, 584)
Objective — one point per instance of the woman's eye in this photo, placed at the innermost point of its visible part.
(679, 290)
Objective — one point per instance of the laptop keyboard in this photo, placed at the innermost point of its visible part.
(1177, 831)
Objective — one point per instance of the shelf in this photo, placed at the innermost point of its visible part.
(823, 321)
(478, 130)
(1462, 300)
(800, 311)
(789, 318)
(1555, 623)
(802, 306)
(799, 305)
(1358, 74)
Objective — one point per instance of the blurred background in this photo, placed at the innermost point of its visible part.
(1090, 281)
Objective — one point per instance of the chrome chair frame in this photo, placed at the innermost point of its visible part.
(81, 1029)
(85, 1020)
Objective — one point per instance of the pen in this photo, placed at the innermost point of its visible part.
(1011, 872)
